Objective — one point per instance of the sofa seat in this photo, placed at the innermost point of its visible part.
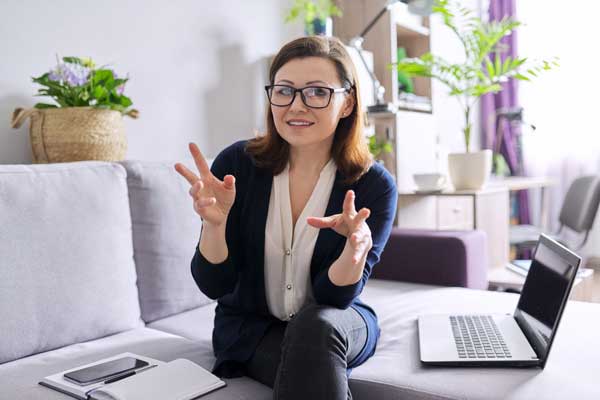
(395, 372)
(19, 379)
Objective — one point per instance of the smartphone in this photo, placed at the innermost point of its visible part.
(99, 372)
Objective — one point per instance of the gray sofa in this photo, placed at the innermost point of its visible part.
(95, 261)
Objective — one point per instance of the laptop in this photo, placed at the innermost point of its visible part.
(523, 339)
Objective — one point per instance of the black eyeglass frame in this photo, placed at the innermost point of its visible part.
(331, 92)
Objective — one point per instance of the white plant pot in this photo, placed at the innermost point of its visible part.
(470, 171)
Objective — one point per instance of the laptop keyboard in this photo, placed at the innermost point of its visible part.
(477, 336)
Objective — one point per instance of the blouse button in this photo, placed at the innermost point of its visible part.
(289, 287)
(288, 252)
(291, 315)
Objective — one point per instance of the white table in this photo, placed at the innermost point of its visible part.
(503, 278)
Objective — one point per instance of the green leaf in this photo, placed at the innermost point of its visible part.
(521, 77)
(507, 64)
(44, 105)
(497, 65)
(480, 90)
(101, 76)
(125, 101)
(517, 62)
(491, 73)
(309, 10)
(43, 79)
(99, 93)
(73, 60)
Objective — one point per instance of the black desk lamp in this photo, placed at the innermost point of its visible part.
(418, 7)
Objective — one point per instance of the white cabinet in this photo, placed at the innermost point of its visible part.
(486, 210)
(455, 213)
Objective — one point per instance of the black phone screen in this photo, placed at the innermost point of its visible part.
(105, 370)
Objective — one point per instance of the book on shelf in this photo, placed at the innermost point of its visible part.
(180, 379)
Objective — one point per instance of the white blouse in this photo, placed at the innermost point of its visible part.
(288, 252)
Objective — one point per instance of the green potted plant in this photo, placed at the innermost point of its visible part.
(478, 74)
(377, 147)
(86, 121)
(316, 15)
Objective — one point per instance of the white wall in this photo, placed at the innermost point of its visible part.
(196, 66)
(562, 103)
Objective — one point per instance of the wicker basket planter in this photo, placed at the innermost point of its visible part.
(74, 133)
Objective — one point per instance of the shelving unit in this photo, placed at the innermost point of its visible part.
(413, 34)
(412, 126)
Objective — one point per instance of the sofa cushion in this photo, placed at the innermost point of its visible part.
(66, 267)
(19, 379)
(196, 324)
(165, 232)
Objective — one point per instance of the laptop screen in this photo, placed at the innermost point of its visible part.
(545, 293)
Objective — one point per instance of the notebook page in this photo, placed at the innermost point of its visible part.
(177, 380)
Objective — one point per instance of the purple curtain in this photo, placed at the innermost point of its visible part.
(507, 98)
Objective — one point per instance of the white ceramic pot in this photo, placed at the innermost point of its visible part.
(470, 170)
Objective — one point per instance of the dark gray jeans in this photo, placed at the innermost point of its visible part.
(307, 357)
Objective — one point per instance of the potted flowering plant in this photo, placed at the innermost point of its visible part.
(86, 121)
(481, 72)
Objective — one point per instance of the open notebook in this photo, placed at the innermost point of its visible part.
(176, 380)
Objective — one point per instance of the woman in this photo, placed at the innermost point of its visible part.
(283, 248)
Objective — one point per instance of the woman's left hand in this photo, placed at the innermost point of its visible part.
(350, 224)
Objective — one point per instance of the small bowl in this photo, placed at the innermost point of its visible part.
(429, 182)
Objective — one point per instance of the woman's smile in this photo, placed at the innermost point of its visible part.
(299, 123)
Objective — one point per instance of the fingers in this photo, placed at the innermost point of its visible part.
(324, 222)
(205, 202)
(186, 173)
(362, 215)
(348, 207)
(229, 182)
(196, 187)
(360, 239)
(200, 161)
(361, 243)
(201, 204)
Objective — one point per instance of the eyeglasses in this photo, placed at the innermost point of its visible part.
(312, 96)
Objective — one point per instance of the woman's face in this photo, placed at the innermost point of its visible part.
(298, 124)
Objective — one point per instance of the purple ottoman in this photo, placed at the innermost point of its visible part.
(445, 258)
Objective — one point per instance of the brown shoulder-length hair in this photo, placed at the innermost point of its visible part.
(349, 150)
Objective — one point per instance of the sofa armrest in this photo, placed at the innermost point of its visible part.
(446, 258)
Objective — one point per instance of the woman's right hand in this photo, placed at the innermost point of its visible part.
(212, 197)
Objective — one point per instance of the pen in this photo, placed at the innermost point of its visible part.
(128, 374)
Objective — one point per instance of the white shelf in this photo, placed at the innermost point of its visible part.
(417, 107)
(408, 24)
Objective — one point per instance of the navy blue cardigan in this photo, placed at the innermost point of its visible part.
(242, 316)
